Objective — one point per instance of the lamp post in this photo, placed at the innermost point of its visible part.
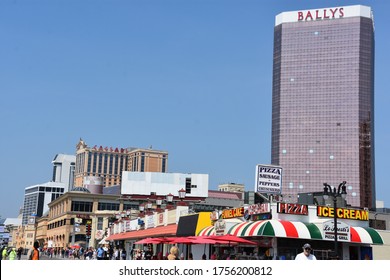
(341, 191)
(169, 200)
(158, 204)
(182, 195)
(141, 210)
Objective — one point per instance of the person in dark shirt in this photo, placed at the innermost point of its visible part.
(148, 254)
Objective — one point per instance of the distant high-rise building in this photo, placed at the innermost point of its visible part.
(108, 163)
(63, 170)
(323, 101)
(37, 197)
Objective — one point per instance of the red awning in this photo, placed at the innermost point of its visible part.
(169, 230)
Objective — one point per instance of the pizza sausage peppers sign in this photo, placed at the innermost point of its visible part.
(268, 179)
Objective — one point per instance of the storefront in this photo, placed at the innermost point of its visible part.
(169, 223)
(292, 225)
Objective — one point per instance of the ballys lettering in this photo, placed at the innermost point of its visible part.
(321, 14)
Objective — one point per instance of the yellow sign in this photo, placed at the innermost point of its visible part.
(233, 213)
(343, 213)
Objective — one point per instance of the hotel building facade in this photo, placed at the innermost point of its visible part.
(323, 101)
(108, 163)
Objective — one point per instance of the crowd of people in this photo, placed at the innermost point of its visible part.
(11, 253)
(107, 252)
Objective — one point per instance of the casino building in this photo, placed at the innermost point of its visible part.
(323, 101)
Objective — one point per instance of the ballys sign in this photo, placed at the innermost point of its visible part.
(322, 14)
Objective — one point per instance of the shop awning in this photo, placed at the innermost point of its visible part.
(207, 231)
(169, 230)
(287, 229)
(365, 235)
(277, 228)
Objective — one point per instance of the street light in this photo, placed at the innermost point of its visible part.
(142, 208)
(182, 195)
(158, 204)
(169, 199)
(341, 191)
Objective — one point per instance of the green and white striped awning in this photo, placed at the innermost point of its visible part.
(207, 231)
(288, 229)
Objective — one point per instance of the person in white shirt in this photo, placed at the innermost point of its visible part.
(306, 254)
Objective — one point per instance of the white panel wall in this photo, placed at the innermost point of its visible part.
(144, 183)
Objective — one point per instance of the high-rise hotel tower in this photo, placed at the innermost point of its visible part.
(108, 163)
(323, 101)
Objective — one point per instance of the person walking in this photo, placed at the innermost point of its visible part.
(306, 254)
(4, 253)
(35, 252)
(19, 253)
(123, 254)
(12, 254)
(100, 253)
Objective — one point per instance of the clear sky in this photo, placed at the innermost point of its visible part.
(192, 77)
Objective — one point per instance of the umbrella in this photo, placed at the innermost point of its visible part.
(195, 240)
(182, 240)
(231, 238)
(75, 246)
(151, 240)
(206, 240)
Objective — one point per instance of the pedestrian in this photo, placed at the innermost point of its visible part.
(123, 254)
(204, 257)
(306, 254)
(174, 253)
(214, 256)
(12, 254)
(116, 255)
(34, 254)
(19, 253)
(190, 256)
(148, 254)
(4, 253)
(100, 253)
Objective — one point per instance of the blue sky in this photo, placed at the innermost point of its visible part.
(190, 77)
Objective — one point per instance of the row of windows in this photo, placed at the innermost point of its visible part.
(81, 206)
(45, 189)
(108, 206)
(96, 161)
(56, 224)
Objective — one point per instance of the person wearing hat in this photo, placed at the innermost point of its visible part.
(306, 254)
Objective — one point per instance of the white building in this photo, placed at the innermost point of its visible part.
(37, 197)
(145, 183)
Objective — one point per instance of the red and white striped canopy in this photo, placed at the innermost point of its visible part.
(288, 229)
(277, 228)
(207, 231)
